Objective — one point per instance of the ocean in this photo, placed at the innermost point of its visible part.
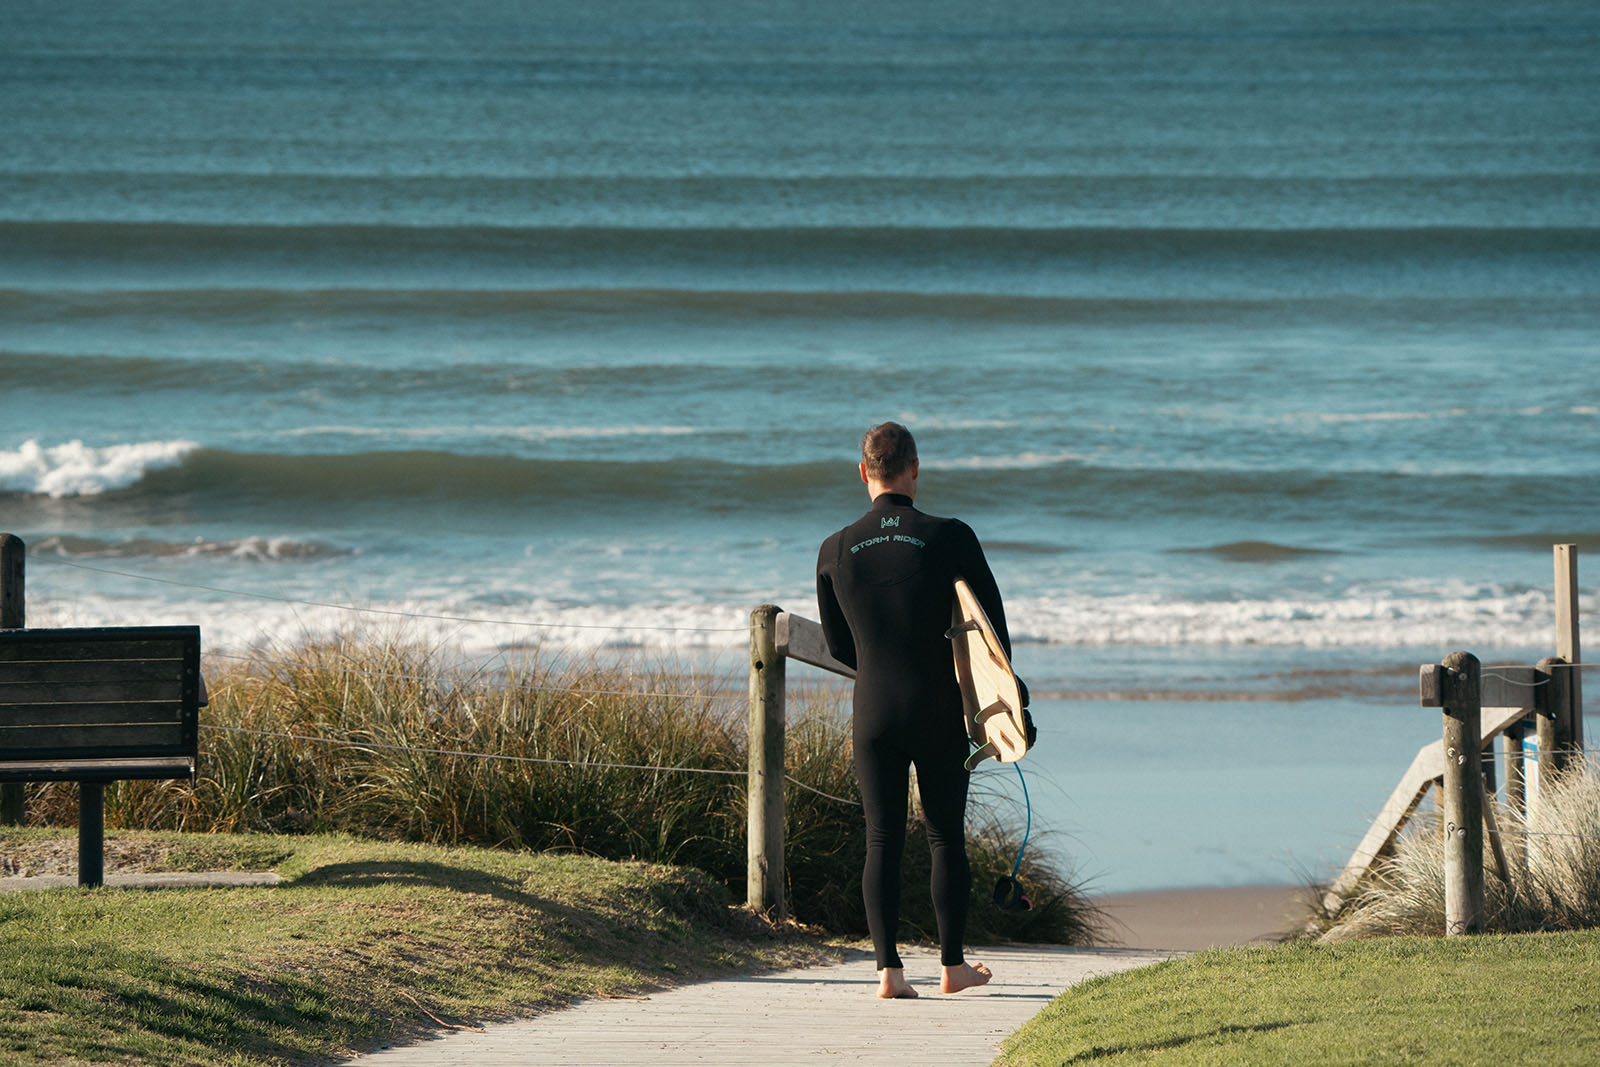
(1257, 341)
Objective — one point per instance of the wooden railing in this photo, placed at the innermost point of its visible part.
(776, 636)
(1477, 707)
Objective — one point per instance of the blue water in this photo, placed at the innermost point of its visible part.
(1256, 340)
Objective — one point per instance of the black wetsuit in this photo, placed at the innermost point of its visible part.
(884, 590)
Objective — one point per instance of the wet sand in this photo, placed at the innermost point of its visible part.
(1192, 919)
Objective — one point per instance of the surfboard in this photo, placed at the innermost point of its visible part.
(990, 697)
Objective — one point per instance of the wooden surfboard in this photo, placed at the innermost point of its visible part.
(990, 698)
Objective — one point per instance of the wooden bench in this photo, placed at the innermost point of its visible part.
(99, 705)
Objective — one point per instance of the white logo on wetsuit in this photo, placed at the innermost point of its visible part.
(893, 520)
(914, 542)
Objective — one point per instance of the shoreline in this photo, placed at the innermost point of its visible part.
(1194, 919)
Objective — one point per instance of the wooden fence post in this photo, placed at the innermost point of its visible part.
(13, 616)
(764, 884)
(1567, 645)
(1551, 721)
(1462, 795)
(1516, 768)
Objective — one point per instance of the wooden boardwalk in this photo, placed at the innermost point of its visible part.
(813, 1015)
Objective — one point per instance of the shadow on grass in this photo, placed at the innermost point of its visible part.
(359, 874)
(689, 896)
(104, 1003)
(1100, 1052)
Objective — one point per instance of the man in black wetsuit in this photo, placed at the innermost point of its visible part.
(884, 591)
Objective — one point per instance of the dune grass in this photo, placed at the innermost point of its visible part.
(363, 734)
(1553, 857)
(364, 942)
(1523, 998)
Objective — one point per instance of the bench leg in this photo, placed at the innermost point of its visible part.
(13, 805)
(91, 833)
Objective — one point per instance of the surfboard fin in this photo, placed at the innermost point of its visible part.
(991, 711)
(969, 625)
(981, 754)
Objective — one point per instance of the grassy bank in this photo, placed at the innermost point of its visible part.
(330, 960)
(1526, 998)
(377, 737)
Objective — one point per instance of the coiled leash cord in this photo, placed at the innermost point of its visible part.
(1008, 894)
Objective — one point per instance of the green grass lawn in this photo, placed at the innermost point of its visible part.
(1497, 1000)
(328, 961)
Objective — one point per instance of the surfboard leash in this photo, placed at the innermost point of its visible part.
(1008, 893)
(1028, 826)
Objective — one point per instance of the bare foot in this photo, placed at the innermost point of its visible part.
(892, 984)
(964, 976)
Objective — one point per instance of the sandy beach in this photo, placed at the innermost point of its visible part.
(1196, 919)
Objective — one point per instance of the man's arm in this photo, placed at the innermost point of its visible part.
(835, 629)
(971, 565)
(974, 567)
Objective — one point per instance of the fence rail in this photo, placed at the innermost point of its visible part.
(776, 636)
(1477, 706)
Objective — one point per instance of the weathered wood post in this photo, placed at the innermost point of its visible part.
(1552, 720)
(1517, 788)
(13, 616)
(764, 885)
(1566, 562)
(1455, 687)
(1516, 768)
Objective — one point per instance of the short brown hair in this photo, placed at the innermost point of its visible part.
(888, 450)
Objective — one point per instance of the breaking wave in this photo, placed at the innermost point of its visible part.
(76, 469)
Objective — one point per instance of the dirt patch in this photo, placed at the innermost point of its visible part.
(29, 859)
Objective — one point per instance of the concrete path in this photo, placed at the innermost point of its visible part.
(814, 1015)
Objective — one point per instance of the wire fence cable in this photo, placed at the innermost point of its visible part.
(549, 760)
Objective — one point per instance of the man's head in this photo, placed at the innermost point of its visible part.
(889, 459)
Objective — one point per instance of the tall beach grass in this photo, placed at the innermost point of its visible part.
(384, 737)
(1553, 854)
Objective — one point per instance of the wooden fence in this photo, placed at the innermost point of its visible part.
(1477, 707)
(1545, 700)
(776, 636)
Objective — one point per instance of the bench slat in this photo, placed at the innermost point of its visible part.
(89, 770)
(69, 714)
(87, 693)
(100, 642)
(23, 651)
(92, 670)
(17, 740)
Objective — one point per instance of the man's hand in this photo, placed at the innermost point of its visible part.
(1027, 720)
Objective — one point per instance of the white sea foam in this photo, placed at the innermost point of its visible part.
(1011, 461)
(67, 546)
(519, 433)
(1485, 620)
(1477, 618)
(77, 469)
(480, 632)
(948, 422)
